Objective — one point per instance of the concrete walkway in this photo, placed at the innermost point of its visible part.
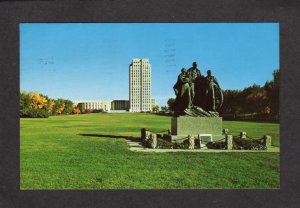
(137, 147)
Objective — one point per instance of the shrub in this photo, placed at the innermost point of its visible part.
(216, 145)
(36, 105)
(68, 106)
(38, 113)
(98, 111)
(248, 144)
(76, 111)
(163, 144)
(88, 110)
(33, 105)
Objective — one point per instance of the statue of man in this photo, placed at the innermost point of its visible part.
(193, 73)
(199, 88)
(212, 84)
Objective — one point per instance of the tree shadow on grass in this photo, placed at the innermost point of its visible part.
(131, 138)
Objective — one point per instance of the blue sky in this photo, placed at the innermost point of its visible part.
(90, 61)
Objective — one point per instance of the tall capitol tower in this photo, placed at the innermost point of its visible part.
(140, 85)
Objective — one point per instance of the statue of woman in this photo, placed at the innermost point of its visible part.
(182, 90)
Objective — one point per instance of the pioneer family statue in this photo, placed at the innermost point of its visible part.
(197, 95)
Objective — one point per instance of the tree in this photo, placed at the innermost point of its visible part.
(68, 107)
(76, 110)
(155, 108)
(50, 106)
(164, 108)
(256, 101)
(59, 106)
(170, 103)
(272, 91)
(233, 102)
(38, 102)
(33, 105)
(25, 101)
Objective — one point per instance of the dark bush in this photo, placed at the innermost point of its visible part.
(98, 111)
(183, 145)
(163, 144)
(216, 145)
(248, 144)
(38, 113)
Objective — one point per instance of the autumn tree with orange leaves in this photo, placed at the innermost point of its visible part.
(76, 110)
(36, 105)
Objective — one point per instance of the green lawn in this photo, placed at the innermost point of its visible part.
(55, 154)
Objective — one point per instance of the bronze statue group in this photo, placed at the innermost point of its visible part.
(197, 95)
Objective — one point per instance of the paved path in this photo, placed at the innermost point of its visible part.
(137, 147)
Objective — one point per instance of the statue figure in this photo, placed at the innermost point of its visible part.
(193, 73)
(214, 96)
(182, 92)
(197, 95)
(199, 87)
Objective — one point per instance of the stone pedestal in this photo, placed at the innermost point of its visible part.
(267, 141)
(183, 126)
(229, 141)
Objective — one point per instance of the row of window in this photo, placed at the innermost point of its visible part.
(144, 90)
(139, 71)
(134, 100)
(140, 78)
(145, 99)
(141, 74)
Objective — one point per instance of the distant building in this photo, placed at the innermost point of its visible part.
(120, 105)
(153, 103)
(140, 85)
(105, 105)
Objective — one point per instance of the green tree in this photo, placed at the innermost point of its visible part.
(272, 91)
(25, 102)
(69, 105)
(155, 108)
(164, 108)
(256, 101)
(33, 104)
(170, 103)
(233, 102)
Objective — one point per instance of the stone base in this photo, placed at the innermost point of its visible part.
(185, 125)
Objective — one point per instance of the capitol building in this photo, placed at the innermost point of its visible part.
(140, 85)
(139, 92)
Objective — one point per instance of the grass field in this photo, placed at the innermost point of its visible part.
(55, 154)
